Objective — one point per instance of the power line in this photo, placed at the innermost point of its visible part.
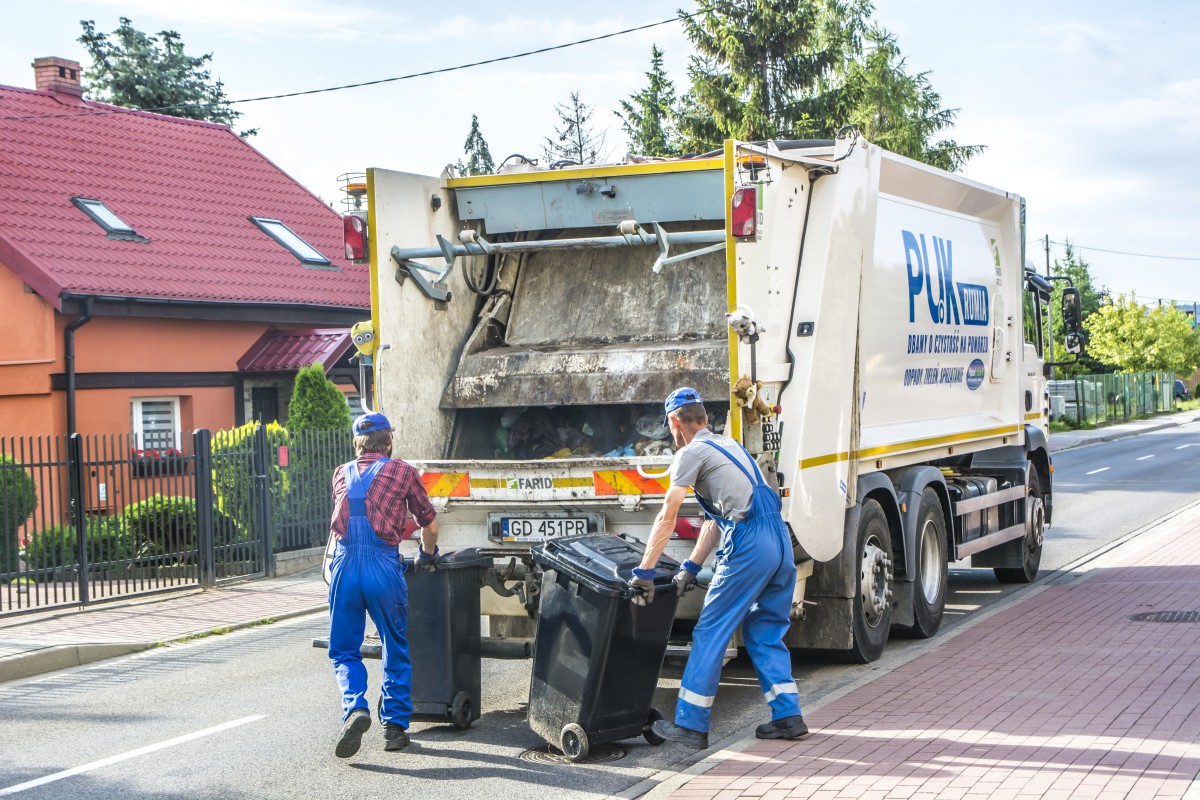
(1123, 253)
(342, 87)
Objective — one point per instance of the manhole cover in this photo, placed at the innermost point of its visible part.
(600, 753)
(1167, 616)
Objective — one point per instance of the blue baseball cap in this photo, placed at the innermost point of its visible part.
(683, 396)
(370, 422)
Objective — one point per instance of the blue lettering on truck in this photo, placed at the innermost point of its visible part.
(953, 303)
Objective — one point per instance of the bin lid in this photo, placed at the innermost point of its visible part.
(463, 559)
(605, 561)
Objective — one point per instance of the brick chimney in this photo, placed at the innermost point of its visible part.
(57, 75)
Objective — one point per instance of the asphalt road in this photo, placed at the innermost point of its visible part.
(254, 714)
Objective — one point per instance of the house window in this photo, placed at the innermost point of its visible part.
(155, 423)
(301, 249)
(102, 215)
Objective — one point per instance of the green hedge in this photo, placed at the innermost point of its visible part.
(160, 525)
(18, 499)
(107, 540)
(233, 475)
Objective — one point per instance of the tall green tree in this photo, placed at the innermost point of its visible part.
(479, 157)
(136, 70)
(876, 94)
(647, 116)
(574, 139)
(779, 69)
(1073, 266)
(1133, 338)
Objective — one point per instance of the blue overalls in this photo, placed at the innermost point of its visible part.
(367, 577)
(752, 586)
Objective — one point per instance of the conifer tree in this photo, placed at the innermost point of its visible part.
(647, 116)
(317, 403)
(479, 157)
(574, 140)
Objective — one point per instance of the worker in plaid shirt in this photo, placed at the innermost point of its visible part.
(372, 498)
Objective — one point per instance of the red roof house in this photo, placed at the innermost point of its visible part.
(157, 274)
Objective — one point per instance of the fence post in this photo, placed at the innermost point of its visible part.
(262, 497)
(75, 477)
(203, 492)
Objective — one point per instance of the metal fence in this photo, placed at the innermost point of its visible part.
(87, 518)
(1101, 399)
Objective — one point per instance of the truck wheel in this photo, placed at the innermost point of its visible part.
(932, 574)
(1031, 543)
(574, 743)
(873, 598)
(462, 711)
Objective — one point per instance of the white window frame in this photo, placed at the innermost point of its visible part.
(293, 242)
(138, 422)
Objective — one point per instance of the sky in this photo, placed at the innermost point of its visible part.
(1090, 109)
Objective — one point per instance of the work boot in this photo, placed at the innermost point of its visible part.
(697, 740)
(394, 737)
(352, 732)
(786, 728)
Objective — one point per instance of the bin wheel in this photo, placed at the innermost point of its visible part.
(574, 743)
(648, 730)
(461, 711)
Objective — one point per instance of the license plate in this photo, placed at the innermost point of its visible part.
(537, 529)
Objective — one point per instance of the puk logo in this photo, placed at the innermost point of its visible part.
(949, 303)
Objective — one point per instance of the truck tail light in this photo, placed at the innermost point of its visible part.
(742, 213)
(354, 235)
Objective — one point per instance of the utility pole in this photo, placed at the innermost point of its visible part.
(1050, 314)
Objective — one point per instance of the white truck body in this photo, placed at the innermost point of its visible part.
(896, 310)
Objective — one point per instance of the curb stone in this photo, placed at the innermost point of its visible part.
(65, 656)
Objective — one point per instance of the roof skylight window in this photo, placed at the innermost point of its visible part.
(301, 249)
(102, 215)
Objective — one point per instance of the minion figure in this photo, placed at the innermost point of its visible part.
(363, 336)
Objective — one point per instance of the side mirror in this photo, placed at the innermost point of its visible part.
(1075, 343)
(1071, 316)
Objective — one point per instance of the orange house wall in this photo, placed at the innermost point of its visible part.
(31, 349)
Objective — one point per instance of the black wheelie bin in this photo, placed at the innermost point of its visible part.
(443, 637)
(597, 655)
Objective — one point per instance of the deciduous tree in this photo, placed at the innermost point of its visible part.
(1126, 334)
(135, 70)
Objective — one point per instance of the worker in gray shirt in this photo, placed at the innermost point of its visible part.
(753, 576)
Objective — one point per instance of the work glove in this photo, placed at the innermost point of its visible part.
(427, 562)
(642, 584)
(685, 578)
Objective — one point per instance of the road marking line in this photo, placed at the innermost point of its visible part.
(1093, 472)
(1182, 446)
(141, 751)
(1143, 458)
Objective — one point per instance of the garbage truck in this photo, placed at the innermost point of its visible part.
(864, 324)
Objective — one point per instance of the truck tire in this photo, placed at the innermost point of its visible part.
(873, 598)
(931, 580)
(1031, 542)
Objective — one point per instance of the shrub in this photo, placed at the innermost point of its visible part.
(317, 402)
(233, 476)
(107, 540)
(161, 525)
(18, 499)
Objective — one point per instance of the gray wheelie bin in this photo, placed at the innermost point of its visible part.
(597, 655)
(443, 638)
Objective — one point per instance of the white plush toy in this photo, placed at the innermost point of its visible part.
(744, 323)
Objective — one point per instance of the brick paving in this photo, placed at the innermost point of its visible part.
(1061, 695)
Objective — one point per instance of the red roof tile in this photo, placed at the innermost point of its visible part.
(188, 187)
(286, 351)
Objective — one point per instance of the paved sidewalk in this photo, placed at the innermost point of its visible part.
(1068, 439)
(1063, 694)
(56, 640)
